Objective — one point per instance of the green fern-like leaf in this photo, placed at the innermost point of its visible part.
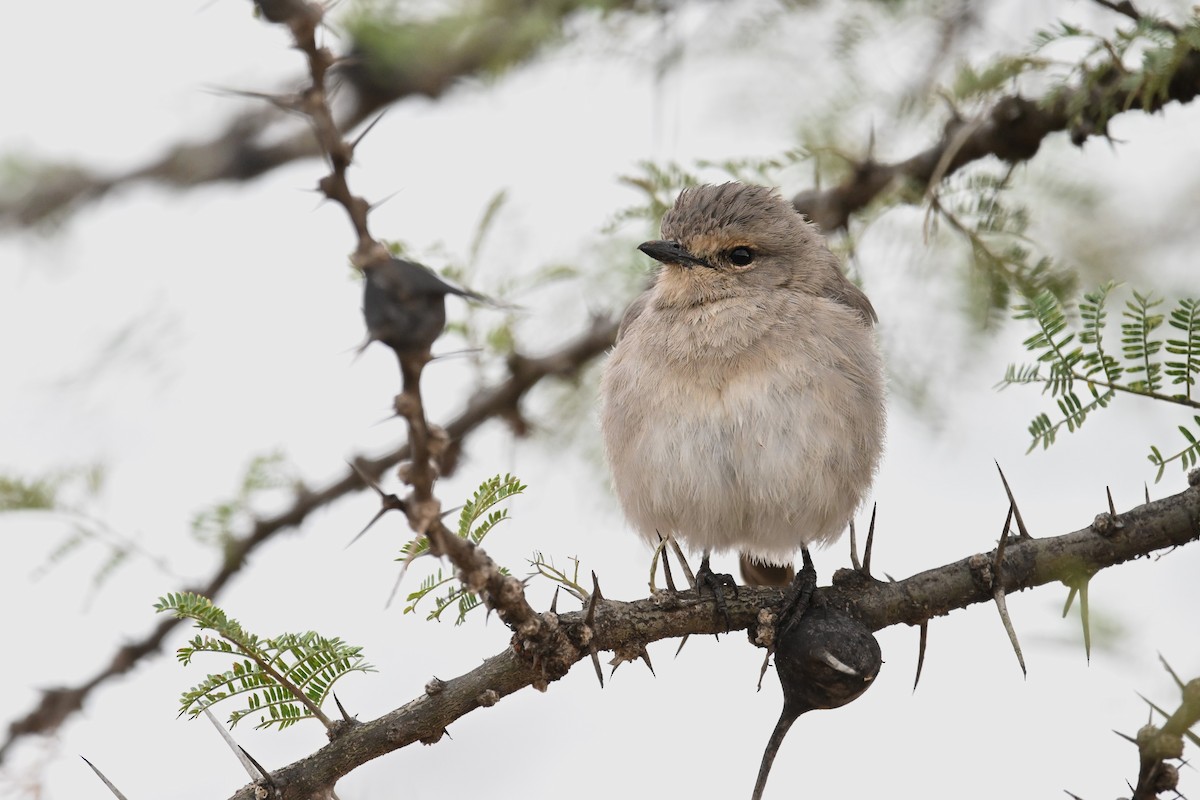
(489, 493)
(1094, 316)
(1185, 318)
(427, 586)
(1066, 359)
(1138, 343)
(1188, 457)
(457, 597)
(270, 674)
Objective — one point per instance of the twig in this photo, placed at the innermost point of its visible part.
(1171, 522)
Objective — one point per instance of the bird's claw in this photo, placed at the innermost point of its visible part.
(716, 583)
(799, 594)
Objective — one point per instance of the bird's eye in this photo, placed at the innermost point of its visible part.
(740, 256)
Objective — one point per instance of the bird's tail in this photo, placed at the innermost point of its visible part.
(756, 574)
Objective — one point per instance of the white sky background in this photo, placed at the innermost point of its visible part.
(244, 319)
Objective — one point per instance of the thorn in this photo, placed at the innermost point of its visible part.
(341, 708)
(554, 601)
(762, 671)
(366, 130)
(999, 559)
(1129, 739)
(687, 570)
(921, 653)
(377, 204)
(590, 618)
(854, 562)
(1002, 606)
(1012, 500)
(1072, 795)
(1145, 700)
(666, 562)
(682, 642)
(644, 654)
(290, 103)
(1172, 672)
(247, 764)
(367, 479)
(1085, 617)
(1070, 599)
(870, 545)
(389, 502)
(596, 664)
(266, 776)
(1112, 510)
(658, 554)
(1146, 487)
(106, 781)
(361, 533)
(395, 587)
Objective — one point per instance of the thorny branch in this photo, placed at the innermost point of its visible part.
(1011, 130)
(503, 593)
(1108, 541)
(241, 152)
(496, 401)
(1157, 746)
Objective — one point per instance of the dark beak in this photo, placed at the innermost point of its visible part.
(671, 253)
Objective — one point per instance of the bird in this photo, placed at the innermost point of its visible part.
(404, 305)
(742, 407)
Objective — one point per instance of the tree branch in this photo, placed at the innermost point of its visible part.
(434, 55)
(1011, 130)
(497, 401)
(1108, 541)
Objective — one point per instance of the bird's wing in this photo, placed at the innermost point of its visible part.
(848, 294)
(633, 312)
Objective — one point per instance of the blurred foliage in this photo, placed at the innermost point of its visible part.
(395, 46)
(976, 204)
(46, 493)
(70, 496)
(217, 524)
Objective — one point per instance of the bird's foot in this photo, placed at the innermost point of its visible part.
(716, 583)
(799, 594)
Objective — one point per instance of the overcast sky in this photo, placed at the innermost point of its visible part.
(173, 336)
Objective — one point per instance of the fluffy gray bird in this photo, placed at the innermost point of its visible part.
(743, 404)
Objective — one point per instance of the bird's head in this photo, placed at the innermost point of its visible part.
(724, 240)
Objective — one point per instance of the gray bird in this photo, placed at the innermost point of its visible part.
(404, 305)
(742, 407)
